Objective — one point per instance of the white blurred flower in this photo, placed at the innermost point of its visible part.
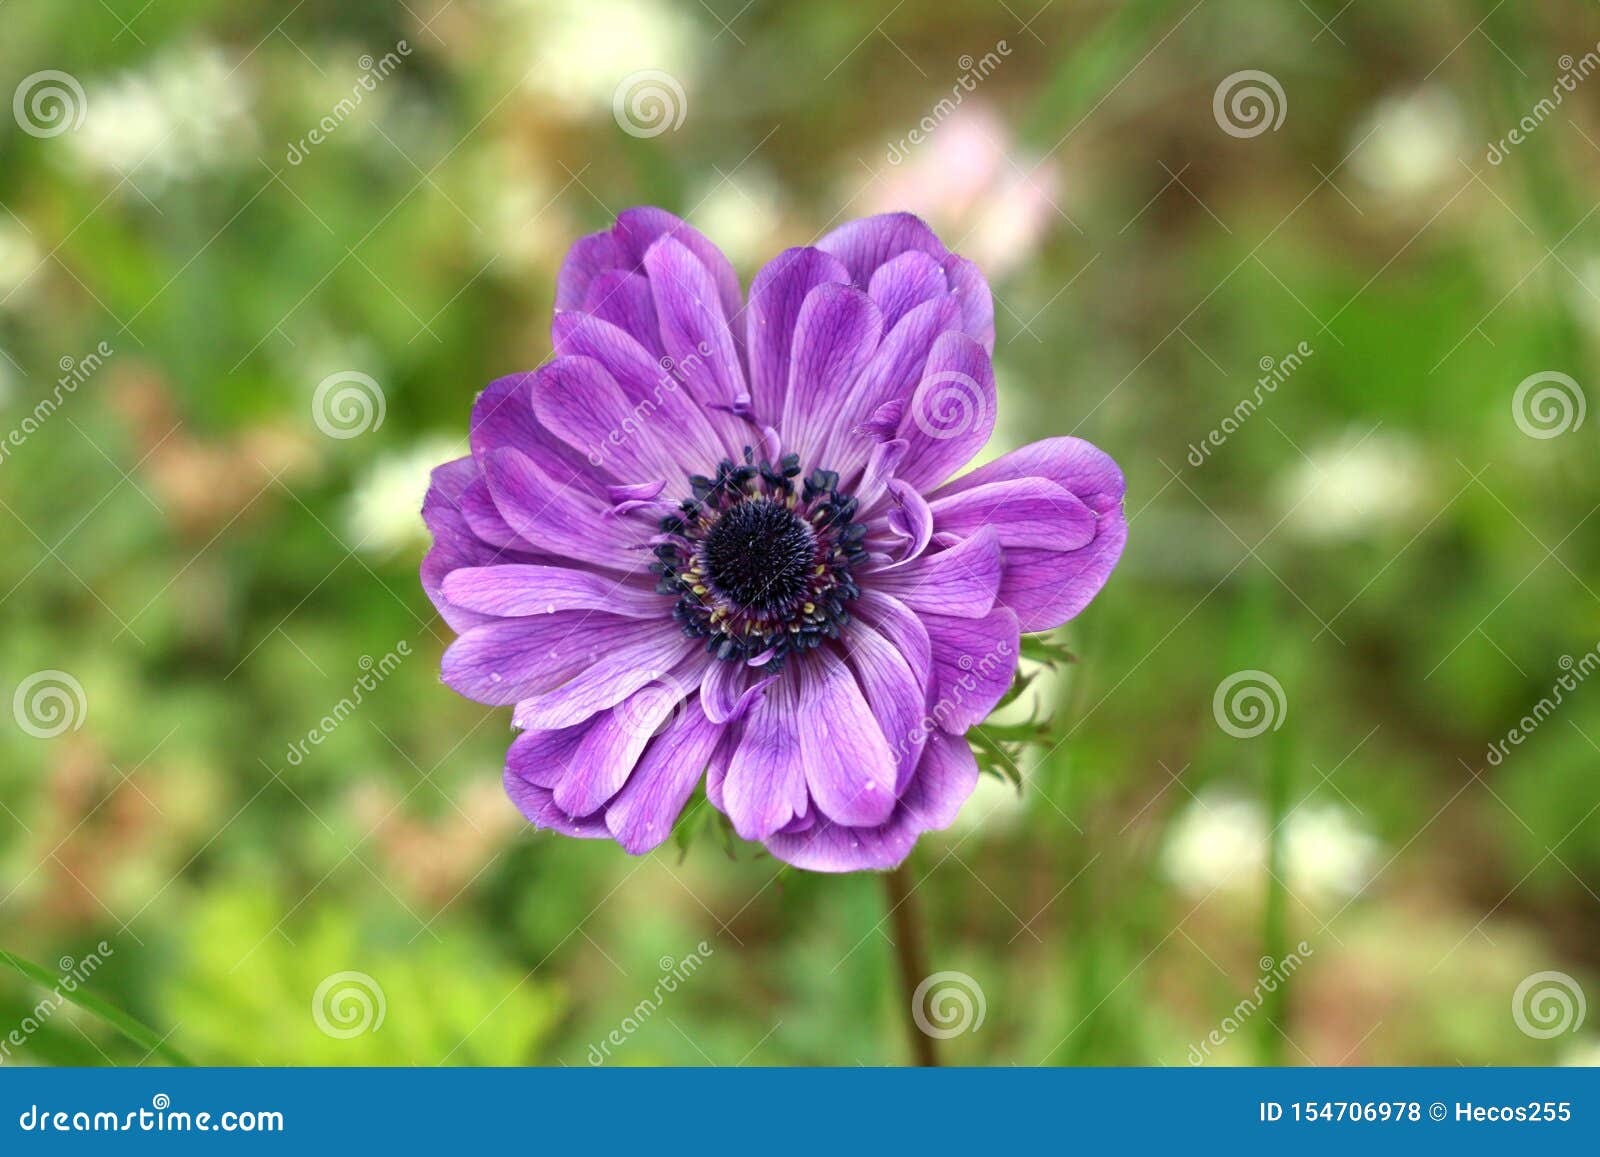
(186, 114)
(384, 509)
(19, 257)
(575, 52)
(1409, 142)
(743, 213)
(1219, 843)
(1357, 485)
(1583, 1055)
(988, 201)
(995, 806)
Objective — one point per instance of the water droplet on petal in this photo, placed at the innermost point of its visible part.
(494, 676)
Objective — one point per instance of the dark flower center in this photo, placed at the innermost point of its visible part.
(760, 553)
(760, 562)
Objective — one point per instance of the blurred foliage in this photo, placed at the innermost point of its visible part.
(1380, 536)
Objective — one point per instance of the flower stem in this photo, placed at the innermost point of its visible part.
(910, 960)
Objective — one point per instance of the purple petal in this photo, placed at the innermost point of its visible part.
(651, 387)
(973, 662)
(538, 804)
(1048, 588)
(503, 418)
(943, 781)
(776, 295)
(507, 660)
(623, 247)
(642, 814)
(695, 330)
(513, 590)
(582, 404)
(900, 625)
(907, 281)
(961, 581)
(728, 689)
(1030, 512)
(888, 380)
(952, 412)
(556, 517)
(623, 299)
(850, 767)
(834, 339)
(896, 693)
(653, 653)
(765, 785)
(608, 751)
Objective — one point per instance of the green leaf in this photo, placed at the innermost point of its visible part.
(140, 1034)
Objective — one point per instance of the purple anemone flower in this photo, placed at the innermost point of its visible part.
(718, 537)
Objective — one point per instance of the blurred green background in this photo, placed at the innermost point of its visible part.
(195, 573)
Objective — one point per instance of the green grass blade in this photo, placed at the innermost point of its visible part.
(140, 1034)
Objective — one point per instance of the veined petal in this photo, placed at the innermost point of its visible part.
(973, 663)
(834, 338)
(506, 660)
(556, 517)
(643, 813)
(519, 589)
(765, 786)
(850, 767)
(1032, 512)
(961, 581)
(776, 296)
(952, 413)
(652, 654)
